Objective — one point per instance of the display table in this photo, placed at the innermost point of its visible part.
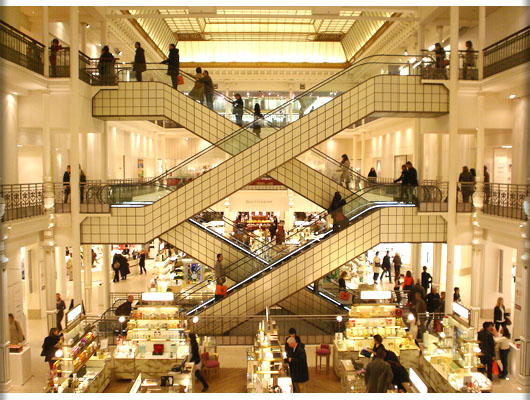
(20, 366)
(174, 382)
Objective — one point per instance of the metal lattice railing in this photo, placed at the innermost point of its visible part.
(505, 200)
(22, 200)
(507, 53)
(21, 49)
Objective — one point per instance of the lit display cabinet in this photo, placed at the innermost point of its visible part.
(451, 357)
(172, 382)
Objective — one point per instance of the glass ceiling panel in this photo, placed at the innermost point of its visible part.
(265, 12)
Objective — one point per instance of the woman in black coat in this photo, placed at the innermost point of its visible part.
(106, 67)
(173, 64)
(48, 347)
(499, 313)
(196, 359)
(139, 62)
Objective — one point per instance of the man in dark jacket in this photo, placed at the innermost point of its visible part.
(426, 279)
(412, 180)
(433, 302)
(125, 308)
(466, 180)
(487, 346)
(292, 333)
(378, 375)
(66, 183)
(173, 64)
(106, 67)
(386, 266)
(208, 89)
(298, 365)
(139, 62)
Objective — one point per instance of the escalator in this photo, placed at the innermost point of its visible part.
(250, 161)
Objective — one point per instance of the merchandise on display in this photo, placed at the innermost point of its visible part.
(172, 382)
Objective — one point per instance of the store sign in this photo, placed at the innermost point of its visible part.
(72, 315)
(461, 311)
(376, 295)
(417, 382)
(158, 296)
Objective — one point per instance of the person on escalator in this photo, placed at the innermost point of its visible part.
(173, 64)
(197, 93)
(258, 121)
(208, 89)
(403, 179)
(412, 180)
(339, 220)
(372, 175)
(345, 177)
(238, 109)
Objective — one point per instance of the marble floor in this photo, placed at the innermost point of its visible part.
(231, 380)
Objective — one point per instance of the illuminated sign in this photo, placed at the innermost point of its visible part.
(376, 295)
(72, 315)
(417, 382)
(158, 296)
(461, 311)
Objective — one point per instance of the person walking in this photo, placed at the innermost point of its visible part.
(106, 66)
(141, 262)
(116, 267)
(335, 210)
(274, 228)
(173, 64)
(82, 184)
(421, 308)
(197, 93)
(60, 306)
(403, 179)
(372, 175)
(502, 340)
(412, 181)
(466, 181)
(218, 269)
(499, 313)
(195, 358)
(408, 281)
(487, 347)
(258, 120)
(16, 335)
(49, 346)
(417, 288)
(208, 89)
(66, 183)
(238, 109)
(345, 176)
(486, 185)
(432, 300)
(376, 266)
(386, 267)
(426, 279)
(456, 295)
(139, 65)
(298, 365)
(125, 309)
(54, 49)
(378, 376)
(397, 267)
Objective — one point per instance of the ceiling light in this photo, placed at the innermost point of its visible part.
(406, 52)
(19, 145)
(186, 138)
(431, 48)
(507, 147)
(15, 93)
(88, 26)
(99, 44)
(195, 319)
(339, 318)
(512, 96)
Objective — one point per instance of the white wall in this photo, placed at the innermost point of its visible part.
(30, 164)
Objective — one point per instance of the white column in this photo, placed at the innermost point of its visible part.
(105, 152)
(415, 260)
(520, 140)
(5, 379)
(440, 158)
(60, 262)
(477, 275)
(104, 31)
(49, 281)
(45, 34)
(481, 40)
(157, 172)
(83, 31)
(478, 196)
(9, 150)
(421, 39)
(87, 263)
(74, 154)
(453, 142)
(363, 160)
(418, 148)
(157, 246)
(106, 276)
(49, 196)
(437, 264)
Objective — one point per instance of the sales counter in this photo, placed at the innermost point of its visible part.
(171, 382)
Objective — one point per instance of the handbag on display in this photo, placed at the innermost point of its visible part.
(346, 296)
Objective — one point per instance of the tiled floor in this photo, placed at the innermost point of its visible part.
(231, 380)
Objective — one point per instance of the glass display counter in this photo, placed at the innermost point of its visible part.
(173, 382)
(451, 359)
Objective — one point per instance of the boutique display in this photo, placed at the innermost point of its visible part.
(172, 382)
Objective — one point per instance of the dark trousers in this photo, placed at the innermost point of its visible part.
(209, 100)
(82, 194)
(116, 275)
(504, 360)
(59, 320)
(138, 76)
(376, 275)
(142, 267)
(66, 193)
(200, 377)
(486, 360)
(239, 119)
(385, 272)
(174, 81)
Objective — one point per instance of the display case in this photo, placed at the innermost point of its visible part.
(173, 382)
(266, 372)
(451, 359)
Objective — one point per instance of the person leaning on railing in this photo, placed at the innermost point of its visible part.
(139, 61)
(54, 48)
(106, 66)
(469, 59)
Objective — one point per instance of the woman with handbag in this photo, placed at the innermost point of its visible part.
(61, 306)
(502, 340)
(499, 314)
(339, 220)
(344, 295)
(258, 121)
(49, 346)
(196, 359)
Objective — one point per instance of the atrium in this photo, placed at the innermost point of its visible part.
(264, 199)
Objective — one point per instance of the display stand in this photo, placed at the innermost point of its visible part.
(20, 366)
(172, 382)
(451, 358)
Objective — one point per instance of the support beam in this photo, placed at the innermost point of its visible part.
(481, 40)
(45, 34)
(437, 264)
(87, 264)
(478, 197)
(5, 378)
(49, 281)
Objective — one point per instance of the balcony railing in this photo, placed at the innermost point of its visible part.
(21, 49)
(505, 200)
(507, 53)
(93, 199)
(22, 200)
(464, 196)
(438, 68)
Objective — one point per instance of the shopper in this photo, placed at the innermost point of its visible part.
(378, 376)
(342, 281)
(486, 185)
(298, 365)
(378, 345)
(139, 65)
(487, 347)
(421, 308)
(218, 269)
(439, 52)
(432, 301)
(397, 267)
(106, 66)
(345, 176)
(54, 49)
(456, 295)
(173, 64)
(412, 181)
(408, 281)
(386, 267)
(116, 267)
(426, 279)
(16, 335)
(141, 261)
(499, 313)
(376, 266)
(502, 340)
(60, 306)
(466, 181)
(335, 210)
(417, 288)
(372, 175)
(292, 333)
(82, 184)
(399, 371)
(469, 60)
(49, 346)
(258, 121)
(238, 109)
(193, 356)
(124, 309)
(197, 93)
(441, 309)
(208, 89)
(273, 228)
(66, 184)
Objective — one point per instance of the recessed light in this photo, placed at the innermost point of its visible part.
(512, 96)
(15, 93)
(99, 44)
(88, 26)
(19, 145)
(185, 138)
(507, 147)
